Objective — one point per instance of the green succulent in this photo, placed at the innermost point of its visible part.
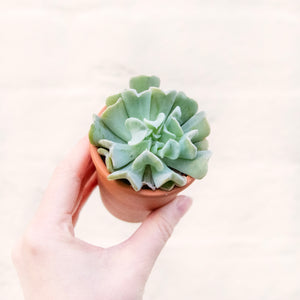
(151, 137)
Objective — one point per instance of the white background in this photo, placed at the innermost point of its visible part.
(59, 60)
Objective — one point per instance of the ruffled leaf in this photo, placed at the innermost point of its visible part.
(168, 186)
(147, 179)
(187, 149)
(203, 145)
(142, 83)
(112, 99)
(106, 143)
(160, 177)
(173, 126)
(114, 118)
(161, 102)
(166, 135)
(175, 113)
(196, 168)
(135, 177)
(200, 123)
(171, 150)
(123, 154)
(137, 105)
(156, 146)
(187, 105)
(138, 130)
(99, 131)
(157, 123)
(147, 159)
(156, 136)
(108, 161)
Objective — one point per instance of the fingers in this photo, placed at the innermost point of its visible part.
(90, 171)
(84, 195)
(152, 235)
(62, 193)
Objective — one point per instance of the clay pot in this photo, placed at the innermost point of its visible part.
(122, 201)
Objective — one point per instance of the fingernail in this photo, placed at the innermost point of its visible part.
(183, 204)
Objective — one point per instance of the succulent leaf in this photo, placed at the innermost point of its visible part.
(156, 124)
(123, 154)
(137, 105)
(137, 129)
(114, 117)
(187, 149)
(150, 137)
(202, 145)
(99, 131)
(112, 99)
(174, 127)
(200, 123)
(187, 106)
(165, 175)
(196, 168)
(142, 83)
(168, 186)
(155, 146)
(166, 135)
(147, 159)
(171, 150)
(175, 113)
(161, 102)
(133, 176)
(147, 179)
(108, 161)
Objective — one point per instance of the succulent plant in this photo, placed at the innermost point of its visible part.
(150, 137)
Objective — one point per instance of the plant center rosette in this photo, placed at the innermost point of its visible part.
(150, 137)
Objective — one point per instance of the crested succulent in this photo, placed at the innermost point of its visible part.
(150, 137)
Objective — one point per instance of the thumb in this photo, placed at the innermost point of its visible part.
(148, 241)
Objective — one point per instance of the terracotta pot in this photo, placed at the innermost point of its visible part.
(122, 201)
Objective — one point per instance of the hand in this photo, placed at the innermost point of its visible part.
(53, 264)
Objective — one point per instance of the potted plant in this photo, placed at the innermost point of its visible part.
(147, 146)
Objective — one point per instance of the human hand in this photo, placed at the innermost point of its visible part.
(53, 264)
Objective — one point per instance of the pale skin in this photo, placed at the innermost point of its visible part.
(52, 263)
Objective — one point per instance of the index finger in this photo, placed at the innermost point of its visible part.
(61, 197)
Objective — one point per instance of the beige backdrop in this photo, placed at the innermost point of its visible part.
(238, 59)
